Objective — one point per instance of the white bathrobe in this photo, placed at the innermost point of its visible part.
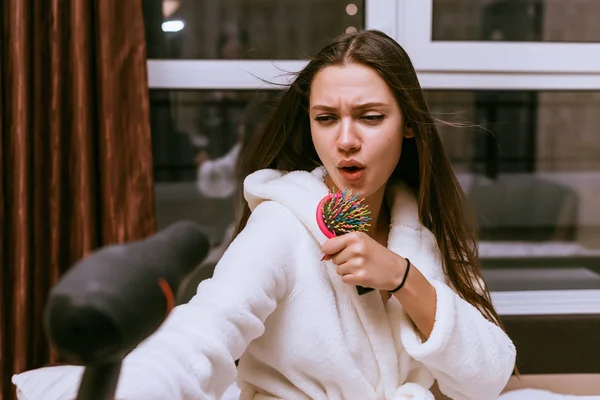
(301, 332)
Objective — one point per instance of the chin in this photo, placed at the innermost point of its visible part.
(363, 188)
(358, 188)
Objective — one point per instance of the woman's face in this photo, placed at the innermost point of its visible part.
(357, 127)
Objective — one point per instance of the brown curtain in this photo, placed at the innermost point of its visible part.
(75, 155)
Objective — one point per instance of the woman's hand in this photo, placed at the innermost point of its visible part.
(361, 261)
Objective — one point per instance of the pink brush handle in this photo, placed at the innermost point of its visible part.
(320, 221)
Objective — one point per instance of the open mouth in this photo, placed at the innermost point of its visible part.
(352, 173)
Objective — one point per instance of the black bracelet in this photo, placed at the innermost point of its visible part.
(404, 278)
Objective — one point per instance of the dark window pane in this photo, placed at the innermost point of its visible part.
(516, 20)
(246, 29)
(530, 165)
(196, 139)
(528, 161)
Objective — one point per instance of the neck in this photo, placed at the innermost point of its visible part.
(380, 217)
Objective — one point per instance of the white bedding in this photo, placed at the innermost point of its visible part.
(57, 383)
(536, 394)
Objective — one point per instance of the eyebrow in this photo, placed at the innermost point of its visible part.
(357, 107)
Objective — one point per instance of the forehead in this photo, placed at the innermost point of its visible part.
(349, 83)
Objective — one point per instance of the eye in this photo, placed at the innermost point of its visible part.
(325, 119)
(373, 119)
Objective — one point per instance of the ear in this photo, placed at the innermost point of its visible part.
(409, 132)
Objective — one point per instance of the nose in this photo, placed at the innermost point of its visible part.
(348, 139)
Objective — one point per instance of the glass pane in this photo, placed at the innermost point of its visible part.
(246, 29)
(196, 140)
(516, 20)
(529, 163)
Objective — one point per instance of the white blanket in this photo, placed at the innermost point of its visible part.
(49, 384)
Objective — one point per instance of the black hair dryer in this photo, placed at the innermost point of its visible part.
(115, 298)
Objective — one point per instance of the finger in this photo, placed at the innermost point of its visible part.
(342, 257)
(334, 245)
(353, 279)
(352, 266)
(344, 269)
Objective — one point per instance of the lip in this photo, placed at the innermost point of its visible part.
(350, 163)
(351, 176)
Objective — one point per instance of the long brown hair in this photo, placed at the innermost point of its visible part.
(284, 142)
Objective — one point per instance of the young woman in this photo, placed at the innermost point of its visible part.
(354, 118)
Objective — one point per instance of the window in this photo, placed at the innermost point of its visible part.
(248, 29)
(520, 107)
(205, 44)
(530, 163)
(518, 36)
(197, 137)
(516, 20)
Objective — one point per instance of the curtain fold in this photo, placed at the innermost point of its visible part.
(75, 153)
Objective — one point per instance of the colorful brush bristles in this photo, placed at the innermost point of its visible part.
(342, 212)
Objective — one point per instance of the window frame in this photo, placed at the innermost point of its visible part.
(253, 75)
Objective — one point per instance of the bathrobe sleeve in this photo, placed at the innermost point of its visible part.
(192, 355)
(469, 356)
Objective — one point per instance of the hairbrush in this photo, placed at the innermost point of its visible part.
(343, 212)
